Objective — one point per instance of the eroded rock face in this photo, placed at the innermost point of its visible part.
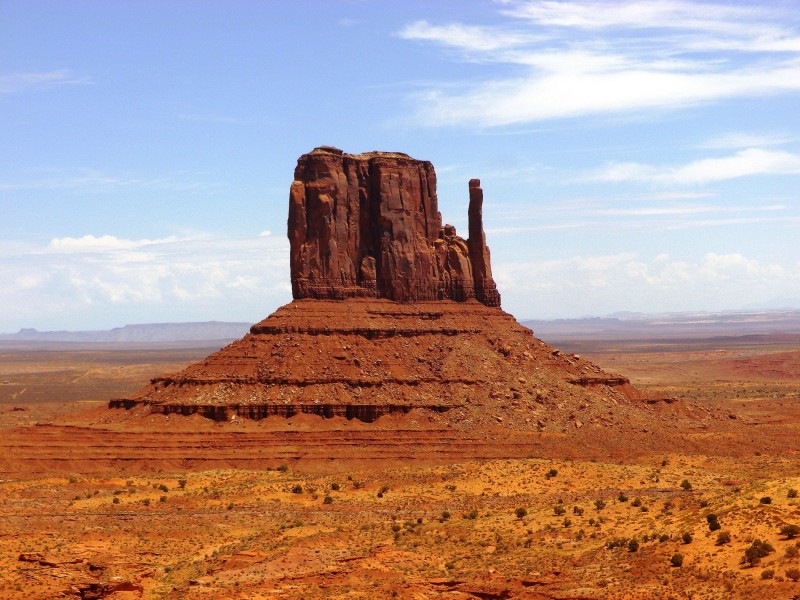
(368, 225)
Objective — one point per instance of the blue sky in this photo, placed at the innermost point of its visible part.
(635, 156)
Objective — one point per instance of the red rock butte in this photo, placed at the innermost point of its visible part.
(368, 226)
(392, 312)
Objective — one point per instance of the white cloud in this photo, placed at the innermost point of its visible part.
(748, 162)
(597, 285)
(590, 58)
(472, 38)
(88, 281)
(14, 83)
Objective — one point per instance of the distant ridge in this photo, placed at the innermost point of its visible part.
(142, 333)
(669, 326)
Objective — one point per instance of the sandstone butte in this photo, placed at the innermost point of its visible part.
(393, 312)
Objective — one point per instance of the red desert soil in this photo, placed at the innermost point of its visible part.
(245, 514)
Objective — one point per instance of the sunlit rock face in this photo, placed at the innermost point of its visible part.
(368, 225)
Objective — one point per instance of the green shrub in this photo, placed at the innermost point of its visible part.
(724, 537)
(297, 489)
(521, 512)
(790, 531)
(676, 560)
(766, 500)
(757, 550)
(767, 574)
(633, 545)
(687, 538)
(327, 500)
(792, 493)
(793, 574)
(686, 485)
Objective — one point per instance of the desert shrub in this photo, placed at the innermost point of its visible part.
(703, 503)
(163, 488)
(327, 500)
(663, 538)
(793, 574)
(521, 512)
(146, 501)
(676, 560)
(766, 500)
(619, 542)
(637, 502)
(767, 574)
(599, 504)
(686, 485)
(567, 522)
(724, 537)
(790, 531)
(622, 497)
(445, 515)
(396, 527)
(162, 499)
(115, 500)
(577, 510)
(283, 468)
(182, 483)
(633, 545)
(792, 493)
(297, 489)
(757, 550)
(473, 514)
(792, 552)
(713, 523)
(335, 486)
(687, 538)
(551, 473)
(559, 510)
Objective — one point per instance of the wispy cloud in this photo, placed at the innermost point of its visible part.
(752, 161)
(589, 58)
(596, 285)
(187, 277)
(92, 180)
(15, 83)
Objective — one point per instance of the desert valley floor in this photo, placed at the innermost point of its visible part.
(406, 507)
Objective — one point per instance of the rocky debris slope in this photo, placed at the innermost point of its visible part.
(368, 358)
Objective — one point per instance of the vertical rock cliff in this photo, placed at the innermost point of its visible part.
(368, 225)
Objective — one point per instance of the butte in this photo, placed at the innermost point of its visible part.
(393, 313)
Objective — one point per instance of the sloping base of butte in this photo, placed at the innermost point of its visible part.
(364, 359)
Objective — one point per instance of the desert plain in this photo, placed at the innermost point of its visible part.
(403, 507)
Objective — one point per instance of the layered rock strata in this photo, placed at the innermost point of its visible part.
(368, 226)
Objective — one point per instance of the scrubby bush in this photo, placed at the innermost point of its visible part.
(686, 485)
(559, 510)
(757, 550)
(327, 500)
(687, 538)
(637, 502)
(297, 489)
(724, 537)
(766, 500)
(622, 497)
(676, 560)
(633, 545)
(767, 574)
(551, 473)
(793, 574)
(335, 486)
(521, 512)
(599, 504)
(792, 493)
(790, 531)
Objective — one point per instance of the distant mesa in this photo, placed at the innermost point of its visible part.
(392, 312)
(368, 226)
